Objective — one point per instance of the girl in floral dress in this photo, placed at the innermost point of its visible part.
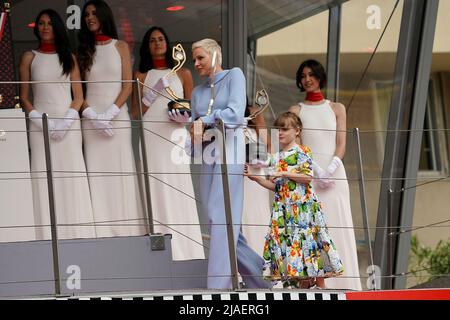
(298, 249)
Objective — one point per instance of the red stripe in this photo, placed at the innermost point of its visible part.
(423, 294)
(2, 24)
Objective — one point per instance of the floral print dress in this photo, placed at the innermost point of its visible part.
(298, 244)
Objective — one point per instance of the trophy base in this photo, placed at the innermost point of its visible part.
(183, 105)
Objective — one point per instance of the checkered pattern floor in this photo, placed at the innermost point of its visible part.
(232, 296)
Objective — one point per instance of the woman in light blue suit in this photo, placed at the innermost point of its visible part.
(229, 106)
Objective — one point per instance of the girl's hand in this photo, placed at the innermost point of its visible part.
(278, 174)
(247, 174)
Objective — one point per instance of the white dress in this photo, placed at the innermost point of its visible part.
(335, 200)
(256, 213)
(109, 160)
(172, 192)
(70, 183)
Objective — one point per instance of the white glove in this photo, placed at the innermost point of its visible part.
(151, 95)
(110, 113)
(36, 117)
(318, 171)
(103, 125)
(325, 181)
(322, 179)
(334, 164)
(89, 113)
(177, 116)
(62, 125)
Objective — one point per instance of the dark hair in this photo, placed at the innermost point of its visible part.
(146, 61)
(286, 118)
(62, 43)
(86, 49)
(318, 72)
(247, 113)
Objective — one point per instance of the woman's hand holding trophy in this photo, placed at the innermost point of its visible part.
(177, 103)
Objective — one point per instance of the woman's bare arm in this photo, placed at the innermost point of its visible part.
(127, 73)
(25, 75)
(341, 127)
(134, 96)
(77, 88)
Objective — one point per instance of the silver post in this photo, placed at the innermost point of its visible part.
(51, 205)
(148, 196)
(390, 234)
(228, 214)
(362, 193)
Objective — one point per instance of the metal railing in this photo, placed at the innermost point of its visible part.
(51, 175)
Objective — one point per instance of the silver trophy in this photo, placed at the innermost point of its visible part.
(256, 149)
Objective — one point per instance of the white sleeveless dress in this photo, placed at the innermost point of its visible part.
(172, 192)
(109, 160)
(70, 183)
(335, 200)
(256, 214)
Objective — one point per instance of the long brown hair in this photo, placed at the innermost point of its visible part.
(62, 43)
(146, 62)
(86, 49)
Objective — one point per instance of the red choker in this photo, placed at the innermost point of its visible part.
(314, 96)
(102, 37)
(159, 63)
(47, 47)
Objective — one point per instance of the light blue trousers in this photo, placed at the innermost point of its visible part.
(250, 264)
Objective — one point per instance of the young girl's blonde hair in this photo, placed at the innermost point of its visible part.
(289, 119)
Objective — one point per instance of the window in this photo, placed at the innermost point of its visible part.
(433, 153)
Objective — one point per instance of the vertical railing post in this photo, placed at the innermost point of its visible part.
(51, 203)
(390, 235)
(148, 196)
(228, 213)
(362, 194)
